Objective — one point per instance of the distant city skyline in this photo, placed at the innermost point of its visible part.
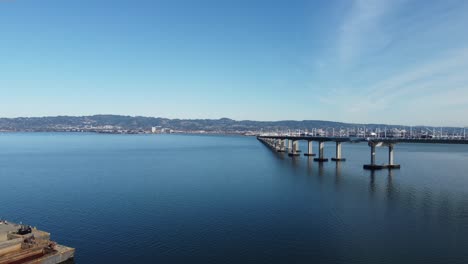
(67, 118)
(364, 61)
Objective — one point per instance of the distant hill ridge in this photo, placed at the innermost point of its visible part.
(61, 123)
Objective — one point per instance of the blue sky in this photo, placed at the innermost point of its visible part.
(366, 61)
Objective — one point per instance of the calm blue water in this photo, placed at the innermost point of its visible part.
(223, 199)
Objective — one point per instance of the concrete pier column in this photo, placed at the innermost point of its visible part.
(391, 163)
(277, 144)
(338, 152)
(372, 166)
(310, 151)
(390, 154)
(283, 145)
(372, 153)
(321, 150)
(290, 145)
(296, 146)
(294, 149)
(280, 147)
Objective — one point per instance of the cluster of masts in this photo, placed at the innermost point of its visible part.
(363, 132)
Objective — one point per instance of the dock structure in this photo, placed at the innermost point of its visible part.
(28, 245)
(293, 147)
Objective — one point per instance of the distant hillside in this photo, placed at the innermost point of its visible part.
(140, 123)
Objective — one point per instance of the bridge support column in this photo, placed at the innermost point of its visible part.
(390, 154)
(290, 145)
(281, 145)
(295, 148)
(391, 164)
(338, 153)
(321, 157)
(373, 166)
(310, 151)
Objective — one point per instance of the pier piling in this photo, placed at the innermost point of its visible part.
(279, 144)
(338, 152)
(373, 166)
(321, 157)
(310, 151)
(295, 147)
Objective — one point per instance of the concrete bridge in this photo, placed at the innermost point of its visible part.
(290, 144)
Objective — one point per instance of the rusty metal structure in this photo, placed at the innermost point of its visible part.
(21, 244)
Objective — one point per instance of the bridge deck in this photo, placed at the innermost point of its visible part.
(383, 140)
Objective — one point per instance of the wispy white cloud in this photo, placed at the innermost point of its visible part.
(361, 29)
(454, 64)
(439, 83)
(402, 84)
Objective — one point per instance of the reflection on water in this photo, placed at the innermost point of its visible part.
(337, 174)
(430, 221)
(389, 188)
(372, 186)
(320, 168)
(295, 161)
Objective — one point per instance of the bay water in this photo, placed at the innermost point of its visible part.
(230, 199)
